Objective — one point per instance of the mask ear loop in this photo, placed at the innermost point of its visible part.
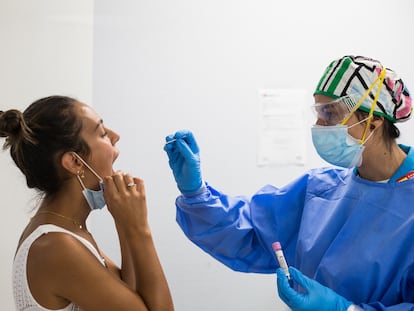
(90, 168)
(80, 181)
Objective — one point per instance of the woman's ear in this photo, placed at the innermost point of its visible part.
(376, 122)
(71, 163)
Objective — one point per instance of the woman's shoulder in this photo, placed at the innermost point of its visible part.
(324, 175)
(56, 259)
(333, 171)
(34, 231)
(55, 245)
(315, 178)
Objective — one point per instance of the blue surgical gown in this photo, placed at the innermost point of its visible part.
(351, 235)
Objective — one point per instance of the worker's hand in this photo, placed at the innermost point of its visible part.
(184, 160)
(315, 298)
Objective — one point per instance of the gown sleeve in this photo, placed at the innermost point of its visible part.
(238, 231)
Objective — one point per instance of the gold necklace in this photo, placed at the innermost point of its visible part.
(76, 223)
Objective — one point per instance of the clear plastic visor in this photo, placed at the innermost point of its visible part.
(334, 112)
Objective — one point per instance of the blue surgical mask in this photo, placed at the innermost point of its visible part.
(336, 146)
(95, 198)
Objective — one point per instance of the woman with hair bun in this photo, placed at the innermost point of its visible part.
(66, 153)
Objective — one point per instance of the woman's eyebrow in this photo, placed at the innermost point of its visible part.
(97, 125)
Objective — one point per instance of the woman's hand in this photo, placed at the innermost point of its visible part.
(126, 201)
(141, 268)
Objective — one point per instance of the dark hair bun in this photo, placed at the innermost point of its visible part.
(14, 128)
(10, 122)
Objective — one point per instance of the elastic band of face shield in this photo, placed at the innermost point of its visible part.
(334, 112)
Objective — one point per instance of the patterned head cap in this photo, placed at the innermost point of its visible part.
(353, 75)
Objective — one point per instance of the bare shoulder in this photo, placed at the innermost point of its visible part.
(54, 250)
(46, 264)
(54, 259)
(60, 270)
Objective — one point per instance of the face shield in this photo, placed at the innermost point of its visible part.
(334, 112)
(340, 110)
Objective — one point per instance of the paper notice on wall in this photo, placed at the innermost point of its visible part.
(282, 139)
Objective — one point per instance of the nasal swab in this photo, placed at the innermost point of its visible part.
(277, 248)
(173, 140)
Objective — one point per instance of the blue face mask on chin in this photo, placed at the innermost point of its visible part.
(95, 198)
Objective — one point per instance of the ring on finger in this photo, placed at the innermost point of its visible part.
(131, 184)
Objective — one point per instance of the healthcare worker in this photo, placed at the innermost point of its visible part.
(347, 230)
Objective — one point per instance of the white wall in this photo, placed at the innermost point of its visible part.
(161, 65)
(46, 48)
(164, 65)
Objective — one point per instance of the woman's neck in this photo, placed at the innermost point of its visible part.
(381, 162)
(70, 203)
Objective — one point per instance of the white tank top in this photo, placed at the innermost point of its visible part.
(22, 296)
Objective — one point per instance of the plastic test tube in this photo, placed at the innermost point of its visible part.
(277, 248)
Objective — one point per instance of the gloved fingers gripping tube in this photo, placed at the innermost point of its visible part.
(316, 297)
(300, 279)
(185, 150)
(191, 141)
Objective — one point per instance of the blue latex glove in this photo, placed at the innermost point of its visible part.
(184, 160)
(316, 298)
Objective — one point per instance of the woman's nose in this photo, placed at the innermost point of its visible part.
(114, 136)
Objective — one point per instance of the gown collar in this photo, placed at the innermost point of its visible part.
(405, 171)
